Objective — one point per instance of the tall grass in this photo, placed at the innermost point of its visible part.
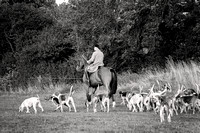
(185, 73)
(175, 73)
(39, 84)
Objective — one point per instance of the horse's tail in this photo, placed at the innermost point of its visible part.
(113, 83)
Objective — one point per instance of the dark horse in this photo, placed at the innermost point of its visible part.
(104, 76)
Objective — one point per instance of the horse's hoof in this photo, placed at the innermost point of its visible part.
(114, 104)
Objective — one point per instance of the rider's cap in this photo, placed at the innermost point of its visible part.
(96, 45)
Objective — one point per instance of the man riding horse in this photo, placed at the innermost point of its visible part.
(95, 74)
(95, 61)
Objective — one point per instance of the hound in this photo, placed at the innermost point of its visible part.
(63, 99)
(100, 98)
(188, 98)
(164, 103)
(147, 100)
(197, 101)
(33, 101)
(150, 101)
(197, 104)
(136, 99)
(189, 102)
(124, 96)
(165, 108)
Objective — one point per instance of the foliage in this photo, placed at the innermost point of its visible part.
(175, 73)
(41, 38)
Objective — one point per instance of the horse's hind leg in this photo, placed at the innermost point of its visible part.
(107, 100)
(108, 103)
(114, 103)
(106, 78)
(103, 104)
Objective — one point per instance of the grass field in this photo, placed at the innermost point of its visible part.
(120, 119)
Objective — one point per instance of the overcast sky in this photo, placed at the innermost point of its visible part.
(58, 2)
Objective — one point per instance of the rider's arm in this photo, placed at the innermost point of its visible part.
(92, 58)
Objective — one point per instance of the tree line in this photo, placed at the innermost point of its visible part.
(38, 37)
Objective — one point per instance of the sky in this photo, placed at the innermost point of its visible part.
(58, 2)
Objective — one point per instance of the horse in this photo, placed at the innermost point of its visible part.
(104, 76)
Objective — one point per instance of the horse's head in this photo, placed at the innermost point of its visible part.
(82, 63)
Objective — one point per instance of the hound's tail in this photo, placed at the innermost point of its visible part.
(71, 91)
(38, 96)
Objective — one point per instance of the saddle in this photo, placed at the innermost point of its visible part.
(88, 74)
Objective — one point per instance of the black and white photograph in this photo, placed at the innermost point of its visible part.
(99, 66)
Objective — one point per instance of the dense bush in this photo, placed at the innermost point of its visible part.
(41, 38)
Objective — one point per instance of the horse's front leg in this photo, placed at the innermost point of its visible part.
(89, 95)
(89, 91)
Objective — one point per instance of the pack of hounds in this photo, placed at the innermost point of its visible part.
(58, 100)
(162, 101)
